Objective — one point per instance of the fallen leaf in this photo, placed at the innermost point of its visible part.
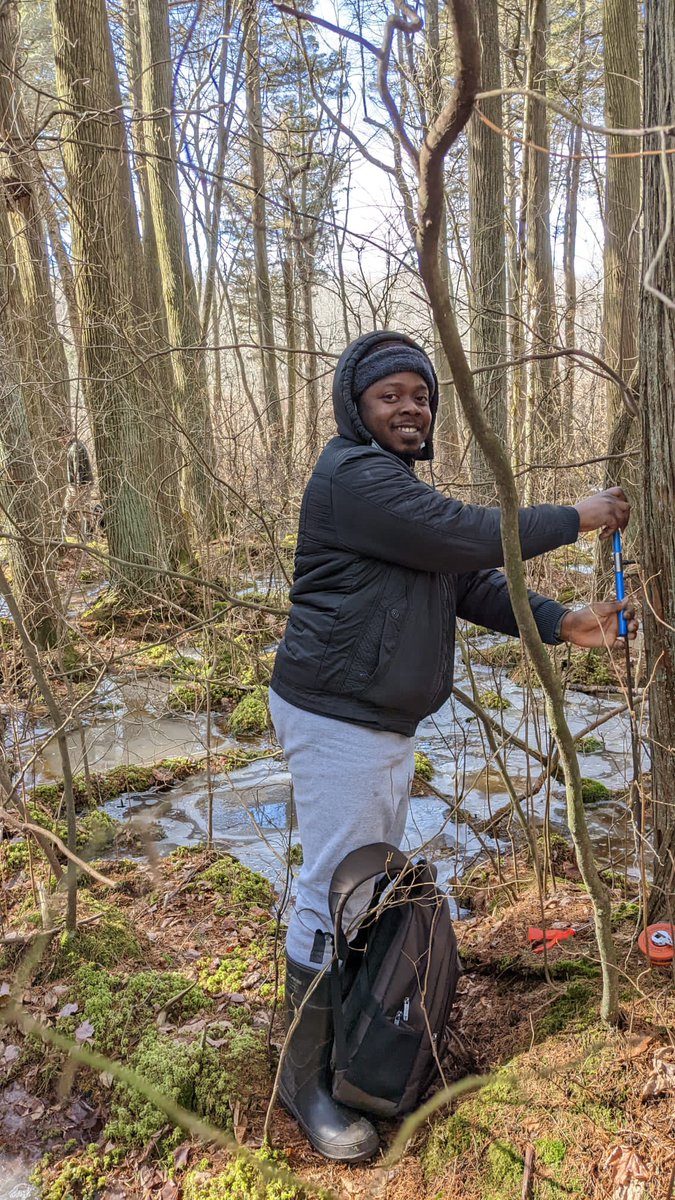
(639, 1048)
(4, 988)
(49, 1000)
(181, 1155)
(662, 1079)
(107, 1079)
(68, 1010)
(169, 1191)
(11, 1053)
(629, 1173)
(84, 1032)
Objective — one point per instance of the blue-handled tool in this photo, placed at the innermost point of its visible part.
(619, 581)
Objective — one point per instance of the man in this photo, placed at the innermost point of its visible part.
(384, 565)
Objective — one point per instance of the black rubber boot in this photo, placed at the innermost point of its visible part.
(335, 1131)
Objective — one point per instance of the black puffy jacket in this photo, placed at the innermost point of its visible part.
(384, 564)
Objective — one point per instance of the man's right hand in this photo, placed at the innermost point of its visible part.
(606, 511)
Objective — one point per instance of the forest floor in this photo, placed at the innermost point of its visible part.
(173, 975)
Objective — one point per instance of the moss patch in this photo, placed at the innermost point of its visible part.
(236, 883)
(504, 654)
(494, 700)
(251, 715)
(590, 745)
(241, 1180)
(108, 942)
(595, 792)
(424, 768)
(577, 1006)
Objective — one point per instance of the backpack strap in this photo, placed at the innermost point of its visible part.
(362, 864)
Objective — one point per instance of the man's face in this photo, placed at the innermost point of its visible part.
(396, 411)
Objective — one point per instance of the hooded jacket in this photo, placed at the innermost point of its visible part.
(384, 563)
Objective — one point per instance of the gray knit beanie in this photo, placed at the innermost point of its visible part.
(391, 360)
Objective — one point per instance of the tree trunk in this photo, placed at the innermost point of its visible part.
(22, 514)
(488, 250)
(543, 415)
(46, 390)
(621, 258)
(256, 150)
(180, 297)
(657, 409)
(573, 174)
(126, 411)
(448, 434)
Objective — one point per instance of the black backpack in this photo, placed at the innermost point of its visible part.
(393, 987)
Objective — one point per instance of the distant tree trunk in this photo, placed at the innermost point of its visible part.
(622, 247)
(47, 396)
(448, 435)
(288, 275)
(488, 250)
(126, 412)
(657, 409)
(22, 514)
(256, 150)
(543, 408)
(180, 296)
(573, 174)
(622, 195)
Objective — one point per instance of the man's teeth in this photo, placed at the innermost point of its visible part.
(407, 428)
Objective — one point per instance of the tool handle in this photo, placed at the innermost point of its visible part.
(619, 580)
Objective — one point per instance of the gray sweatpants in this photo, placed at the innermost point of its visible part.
(351, 787)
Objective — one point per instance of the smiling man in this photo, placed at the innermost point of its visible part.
(384, 565)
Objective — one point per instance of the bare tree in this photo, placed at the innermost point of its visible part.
(131, 434)
(488, 248)
(181, 305)
(657, 409)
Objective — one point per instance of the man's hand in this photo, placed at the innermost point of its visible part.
(606, 511)
(598, 625)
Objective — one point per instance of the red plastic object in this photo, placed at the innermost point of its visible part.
(550, 938)
(661, 942)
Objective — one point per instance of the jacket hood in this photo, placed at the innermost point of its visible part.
(349, 423)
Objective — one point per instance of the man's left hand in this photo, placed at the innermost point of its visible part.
(598, 624)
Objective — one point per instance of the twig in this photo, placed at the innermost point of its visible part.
(24, 939)
(528, 1174)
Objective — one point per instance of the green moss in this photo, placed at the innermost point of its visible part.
(575, 1007)
(125, 778)
(82, 1176)
(95, 832)
(589, 668)
(448, 1139)
(550, 1151)
(251, 715)
(594, 792)
(241, 1180)
(199, 1077)
(590, 745)
(504, 654)
(574, 968)
(296, 855)
(492, 699)
(627, 910)
(109, 942)
(475, 631)
(15, 854)
(121, 1011)
(424, 768)
(237, 883)
(235, 964)
(504, 1165)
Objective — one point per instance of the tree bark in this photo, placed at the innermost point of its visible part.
(202, 501)
(488, 250)
(127, 414)
(22, 512)
(657, 410)
(573, 175)
(543, 408)
(256, 150)
(46, 389)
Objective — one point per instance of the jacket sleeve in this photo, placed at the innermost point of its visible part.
(483, 598)
(382, 511)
